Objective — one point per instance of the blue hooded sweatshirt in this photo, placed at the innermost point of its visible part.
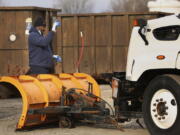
(40, 53)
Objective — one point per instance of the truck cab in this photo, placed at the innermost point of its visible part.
(150, 87)
(161, 50)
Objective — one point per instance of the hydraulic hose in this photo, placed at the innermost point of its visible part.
(81, 53)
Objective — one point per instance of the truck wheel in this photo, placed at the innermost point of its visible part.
(161, 105)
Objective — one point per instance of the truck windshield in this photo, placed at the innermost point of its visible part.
(168, 33)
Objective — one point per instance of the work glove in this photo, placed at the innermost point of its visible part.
(55, 25)
(57, 58)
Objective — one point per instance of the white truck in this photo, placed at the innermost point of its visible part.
(151, 85)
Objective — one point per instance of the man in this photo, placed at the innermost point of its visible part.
(40, 52)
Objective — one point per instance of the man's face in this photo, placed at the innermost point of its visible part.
(42, 28)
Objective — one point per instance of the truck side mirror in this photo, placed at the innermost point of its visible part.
(142, 23)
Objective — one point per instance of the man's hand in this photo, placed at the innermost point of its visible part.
(55, 25)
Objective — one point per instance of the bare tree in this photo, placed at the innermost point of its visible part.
(74, 6)
(129, 5)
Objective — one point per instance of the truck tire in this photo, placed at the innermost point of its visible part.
(161, 106)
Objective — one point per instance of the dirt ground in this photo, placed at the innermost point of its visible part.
(10, 110)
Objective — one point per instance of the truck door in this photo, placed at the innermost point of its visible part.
(165, 46)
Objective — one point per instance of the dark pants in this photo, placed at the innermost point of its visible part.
(40, 70)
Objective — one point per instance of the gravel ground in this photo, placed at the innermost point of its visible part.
(11, 109)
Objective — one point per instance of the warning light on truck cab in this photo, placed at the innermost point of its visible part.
(135, 23)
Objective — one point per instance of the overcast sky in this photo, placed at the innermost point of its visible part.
(44, 3)
(99, 5)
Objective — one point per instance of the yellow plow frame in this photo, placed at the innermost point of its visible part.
(42, 91)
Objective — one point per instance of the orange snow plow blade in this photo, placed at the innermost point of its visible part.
(44, 91)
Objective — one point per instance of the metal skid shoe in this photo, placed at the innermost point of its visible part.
(66, 122)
